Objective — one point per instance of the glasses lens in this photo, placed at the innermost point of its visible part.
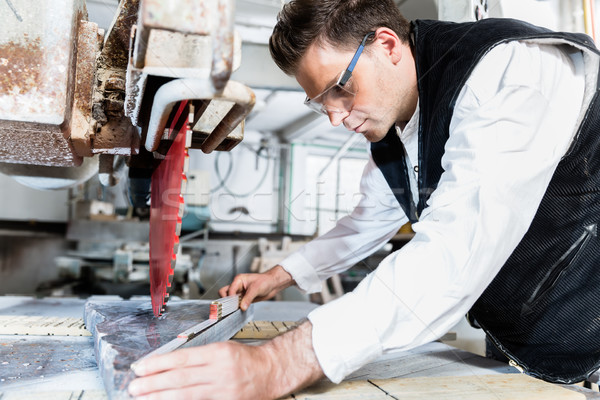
(334, 99)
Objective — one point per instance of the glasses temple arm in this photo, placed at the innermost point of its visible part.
(348, 72)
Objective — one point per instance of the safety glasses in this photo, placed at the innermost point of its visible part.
(340, 96)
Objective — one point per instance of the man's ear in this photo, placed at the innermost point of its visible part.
(390, 43)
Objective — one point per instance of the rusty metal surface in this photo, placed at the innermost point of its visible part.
(36, 59)
(83, 126)
(182, 55)
(115, 53)
(186, 38)
(180, 39)
(223, 39)
(232, 139)
(117, 137)
(38, 144)
(37, 70)
(106, 172)
(213, 114)
(114, 134)
(174, 51)
(135, 87)
(233, 118)
(187, 16)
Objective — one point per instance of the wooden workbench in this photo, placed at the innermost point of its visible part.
(64, 367)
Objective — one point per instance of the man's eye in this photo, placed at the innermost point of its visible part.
(337, 90)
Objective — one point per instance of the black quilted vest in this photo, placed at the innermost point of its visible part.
(542, 310)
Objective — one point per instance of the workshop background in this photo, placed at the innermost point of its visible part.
(289, 179)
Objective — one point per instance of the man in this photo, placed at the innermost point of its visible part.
(484, 134)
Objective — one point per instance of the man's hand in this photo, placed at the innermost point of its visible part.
(258, 287)
(230, 370)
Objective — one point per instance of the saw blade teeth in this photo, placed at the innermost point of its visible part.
(186, 163)
(175, 248)
(181, 207)
(188, 137)
(183, 183)
(178, 227)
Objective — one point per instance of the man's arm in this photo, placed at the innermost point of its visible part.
(231, 370)
(509, 131)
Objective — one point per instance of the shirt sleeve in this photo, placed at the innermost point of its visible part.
(372, 223)
(512, 123)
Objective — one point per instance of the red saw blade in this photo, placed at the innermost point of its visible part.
(166, 210)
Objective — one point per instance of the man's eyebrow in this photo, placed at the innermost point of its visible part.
(327, 86)
(332, 82)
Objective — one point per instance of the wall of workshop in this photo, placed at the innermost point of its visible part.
(21, 203)
(243, 187)
(223, 260)
(319, 192)
(27, 261)
(560, 15)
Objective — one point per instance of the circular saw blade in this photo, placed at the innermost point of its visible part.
(166, 211)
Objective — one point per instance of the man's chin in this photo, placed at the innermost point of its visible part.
(373, 136)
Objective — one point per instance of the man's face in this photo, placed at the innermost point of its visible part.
(378, 101)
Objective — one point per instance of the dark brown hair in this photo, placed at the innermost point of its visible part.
(340, 23)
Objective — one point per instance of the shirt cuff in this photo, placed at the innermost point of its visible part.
(303, 273)
(342, 341)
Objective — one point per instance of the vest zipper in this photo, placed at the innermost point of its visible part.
(559, 269)
(514, 364)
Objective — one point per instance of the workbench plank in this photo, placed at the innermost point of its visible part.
(42, 326)
(480, 387)
(344, 391)
(475, 387)
(433, 359)
(56, 395)
(264, 329)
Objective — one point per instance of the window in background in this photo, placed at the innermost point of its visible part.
(320, 196)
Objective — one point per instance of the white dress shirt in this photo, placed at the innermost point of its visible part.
(513, 122)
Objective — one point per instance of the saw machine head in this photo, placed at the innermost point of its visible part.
(72, 99)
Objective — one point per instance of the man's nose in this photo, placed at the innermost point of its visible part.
(337, 117)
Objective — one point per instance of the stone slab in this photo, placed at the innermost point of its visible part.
(125, 331)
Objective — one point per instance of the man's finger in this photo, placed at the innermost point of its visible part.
(248, 297)
(173, 379)
(186, 393)
(223, 291)
(237, 286)
(193, 356)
